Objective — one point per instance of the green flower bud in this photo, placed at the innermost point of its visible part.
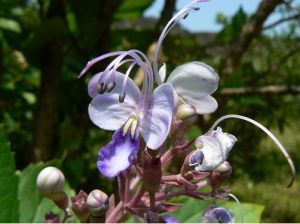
(50, 182)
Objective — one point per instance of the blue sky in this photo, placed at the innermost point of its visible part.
(204, 19)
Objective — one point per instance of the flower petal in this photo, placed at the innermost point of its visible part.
(203, 105)
(214, 154)
(132, 90)
(117, 155)
(106, 111)
(194, 79)
(156, 123)
(162, 72)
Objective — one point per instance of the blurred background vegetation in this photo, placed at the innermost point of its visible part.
(44, 44)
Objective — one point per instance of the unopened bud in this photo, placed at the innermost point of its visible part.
(60, 199)
(97, 202)
(51, 218)
(224, 168)
(185, 111)
(221, 215)
(79, 206)
(50, 181)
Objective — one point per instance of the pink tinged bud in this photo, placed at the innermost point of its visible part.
(152, 175)
(185, 111)
(61, 200)
(97, 203)
(51, 218)
(79, 206)
(224, 169)
(220, 175)
(50, 182)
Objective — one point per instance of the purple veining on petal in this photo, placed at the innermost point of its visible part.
(117, 155)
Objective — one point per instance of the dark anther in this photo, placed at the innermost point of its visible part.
(99, 87)
(121, 97)
(110, 86)
(185, 16)
(196, 8)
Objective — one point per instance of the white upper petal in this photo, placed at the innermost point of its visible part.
(157, 120)
(203, 105)
(194, 79)
(106, 111)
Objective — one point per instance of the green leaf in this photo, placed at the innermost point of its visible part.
(132, 9)
(251, 212)
(9, 182)
(29, 196)
(192, 210)
(33, 206)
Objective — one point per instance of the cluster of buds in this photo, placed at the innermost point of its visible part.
(87, 208)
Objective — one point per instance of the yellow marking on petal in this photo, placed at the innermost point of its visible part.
(133, 128)
(127, 125)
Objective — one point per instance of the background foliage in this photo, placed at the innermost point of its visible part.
(45, 43)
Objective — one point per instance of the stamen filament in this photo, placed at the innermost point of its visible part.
(97, 59)
(264, 129)
(182, 14)
(240, 207)
(126, 78)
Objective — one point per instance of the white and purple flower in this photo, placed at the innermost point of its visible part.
(118, 104)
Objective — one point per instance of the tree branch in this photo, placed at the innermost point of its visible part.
(282, 20)
(264, 90)
(249, 31)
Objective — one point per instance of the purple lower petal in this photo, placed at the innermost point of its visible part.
(117, 155)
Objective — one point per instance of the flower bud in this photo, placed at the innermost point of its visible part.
(97, 203)
(79, 206)
(185, 111)
(50, 181)
(51, 218)
(60, 199)
(218, 215)
(224, 168)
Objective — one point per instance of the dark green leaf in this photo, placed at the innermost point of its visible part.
(9, 182)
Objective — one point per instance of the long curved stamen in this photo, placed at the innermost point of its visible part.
(96, 60)
(172, 22)
(240, 207)
(122, 93)
(110, 74)
(264, 129)
(145, 66)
